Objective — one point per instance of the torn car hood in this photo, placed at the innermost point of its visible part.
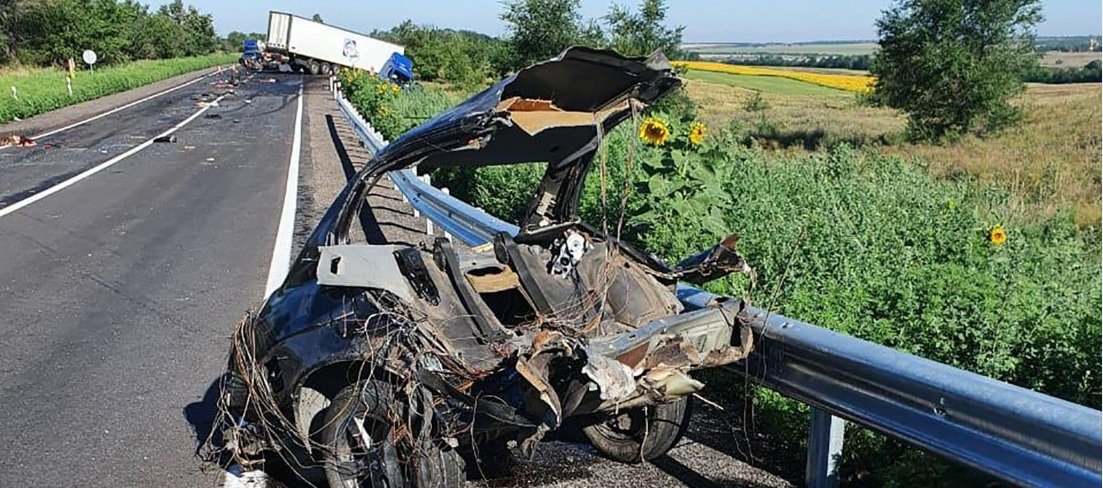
(546, 112)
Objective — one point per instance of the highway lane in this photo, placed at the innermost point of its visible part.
(24, 171)
(118, 293)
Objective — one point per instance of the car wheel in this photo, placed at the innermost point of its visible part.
(359, 450)
(314, 68)
(327, 69)
(639, 434)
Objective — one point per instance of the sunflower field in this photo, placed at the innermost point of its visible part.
(854, 83)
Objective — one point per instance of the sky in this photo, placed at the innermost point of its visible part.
(705, 20)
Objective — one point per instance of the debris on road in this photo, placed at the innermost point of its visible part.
(16, 140)
(213, 116)
(166, 139)
(266, 80)
(387, 363)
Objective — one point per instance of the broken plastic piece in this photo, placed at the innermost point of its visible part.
(168, 138)
(17, 141)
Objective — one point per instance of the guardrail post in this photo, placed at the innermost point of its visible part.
(825, 447)
(446, 234)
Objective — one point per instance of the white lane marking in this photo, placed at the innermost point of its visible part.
(99, 167)
(236, 476)
(122, 107)
(281, 252)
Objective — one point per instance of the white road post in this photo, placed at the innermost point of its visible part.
(446, 234)
(69, 85)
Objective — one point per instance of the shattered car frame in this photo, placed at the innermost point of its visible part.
(396, 364)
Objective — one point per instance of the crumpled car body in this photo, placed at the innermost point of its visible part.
(469, 350)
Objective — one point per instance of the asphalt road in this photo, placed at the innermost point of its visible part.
(118, 293)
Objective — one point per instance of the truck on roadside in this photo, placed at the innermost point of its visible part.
(252, 54)
(316, 48)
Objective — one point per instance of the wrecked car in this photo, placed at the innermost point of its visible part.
(395, 364)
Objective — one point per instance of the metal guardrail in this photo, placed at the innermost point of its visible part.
(1018, 435)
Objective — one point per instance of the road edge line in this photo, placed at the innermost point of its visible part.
(123, 107)
(99, 167)
(235, 476)
(281, 251)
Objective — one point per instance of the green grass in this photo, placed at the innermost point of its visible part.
(43, 90)
(768, 84)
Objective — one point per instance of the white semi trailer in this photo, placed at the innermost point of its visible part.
(319, 48)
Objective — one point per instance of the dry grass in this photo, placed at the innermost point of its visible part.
(1058, 59)
(1051, 161)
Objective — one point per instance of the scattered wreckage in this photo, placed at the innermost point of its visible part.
(16, 140)
(396, 365)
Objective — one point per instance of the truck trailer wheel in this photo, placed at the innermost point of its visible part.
(327, 69)
(314, 68)
(639, 434)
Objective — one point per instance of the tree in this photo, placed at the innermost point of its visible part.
(953, 65)
(641, 33)
(317, 18)
(540, 29)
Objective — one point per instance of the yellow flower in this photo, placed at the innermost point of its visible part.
(997, 236)
(697, 133)
(394, 88)
(654, 131)
(383, 111)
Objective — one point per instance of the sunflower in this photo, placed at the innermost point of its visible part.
(697, 133)
(654, 131)
(394, 88)
(997, 236)
(383, 111)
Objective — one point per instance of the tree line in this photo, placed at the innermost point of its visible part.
(536, 30)
(858, 62)
(49, 32)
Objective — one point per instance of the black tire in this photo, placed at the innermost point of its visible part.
(314, 68)
(374, 403)
(639, 434)
(327, 69)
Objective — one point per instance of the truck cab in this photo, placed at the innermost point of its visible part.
(398, 69)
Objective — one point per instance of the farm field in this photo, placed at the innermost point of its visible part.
(855, 83)
(1059, 59)
(40, 90)
(856, 48)
(1050, 163)
(780, 86)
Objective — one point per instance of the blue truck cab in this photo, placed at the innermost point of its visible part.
(250, 46)
(398, 69)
